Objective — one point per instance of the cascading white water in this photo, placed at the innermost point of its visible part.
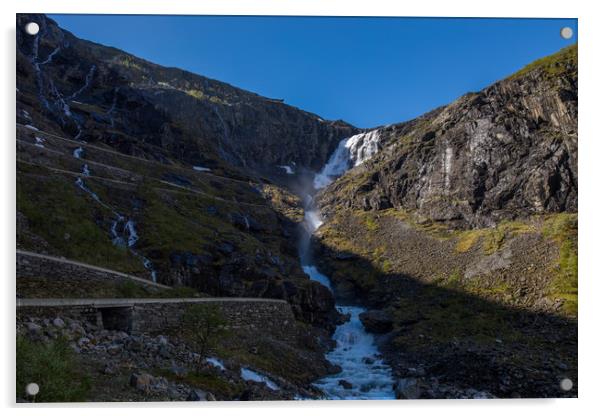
(129, 228)
(350, 152)
(363, 374)
(356, 353)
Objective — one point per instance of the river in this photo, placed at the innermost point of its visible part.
(364, 375)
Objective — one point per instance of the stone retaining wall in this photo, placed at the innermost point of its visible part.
(264, 316)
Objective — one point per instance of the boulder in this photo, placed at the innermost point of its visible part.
(377, 321)
(142, 381)
(58, 322)
(159, 384)
(407, 388)
(77, 328)
(196, 395)
(345, 384)
(110, 368)
(33, 328)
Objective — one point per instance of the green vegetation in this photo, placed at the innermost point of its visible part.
(129, 62)
(562, 228)
(467, 239)
(284, 202)
(553, 65)
(129, 289)
(72, 287)
(207, 381)
(387, 266)
(434, 229)
(296, 363)
(200, 95)
(182, 221)
(132, 289)
(176, 222)
(443, 315)
(71, 222)
(202, 326)
(371, 224)
(492, 238)
(53, 367)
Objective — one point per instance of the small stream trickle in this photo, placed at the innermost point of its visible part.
(121, 235)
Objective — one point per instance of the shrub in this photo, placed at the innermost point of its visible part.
(202, 326)
(563, 229)
(53, 367)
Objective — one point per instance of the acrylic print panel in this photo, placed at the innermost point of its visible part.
(295, 208)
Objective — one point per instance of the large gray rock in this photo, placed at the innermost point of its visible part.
(142, 381)
(58, 322)
(509, 150)
(407, 388)
(377, 321)
(197, 395)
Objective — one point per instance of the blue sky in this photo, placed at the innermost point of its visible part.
(367, 71)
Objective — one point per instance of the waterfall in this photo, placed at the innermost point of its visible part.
(363, 375)
(350, 152)
(129, 228)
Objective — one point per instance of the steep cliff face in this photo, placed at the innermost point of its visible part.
(508, 151)
(461, 234)
(101, 94)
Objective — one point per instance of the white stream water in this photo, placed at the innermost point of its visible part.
(248, 374)
(363, 374)
(118, 234)
(350, 152)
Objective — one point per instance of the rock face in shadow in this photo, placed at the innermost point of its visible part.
(377, 321)
(508, 151)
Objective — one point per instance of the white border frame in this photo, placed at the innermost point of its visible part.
(589, 145)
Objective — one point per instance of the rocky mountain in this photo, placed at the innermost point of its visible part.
(454, 235)
(506, 152)
(101, 94)
(162, 173)
(459, 235)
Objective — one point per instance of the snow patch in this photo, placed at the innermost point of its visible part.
(287, 169)
(251, 375)
(40, 141)
(201, 169)
(216, 362)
